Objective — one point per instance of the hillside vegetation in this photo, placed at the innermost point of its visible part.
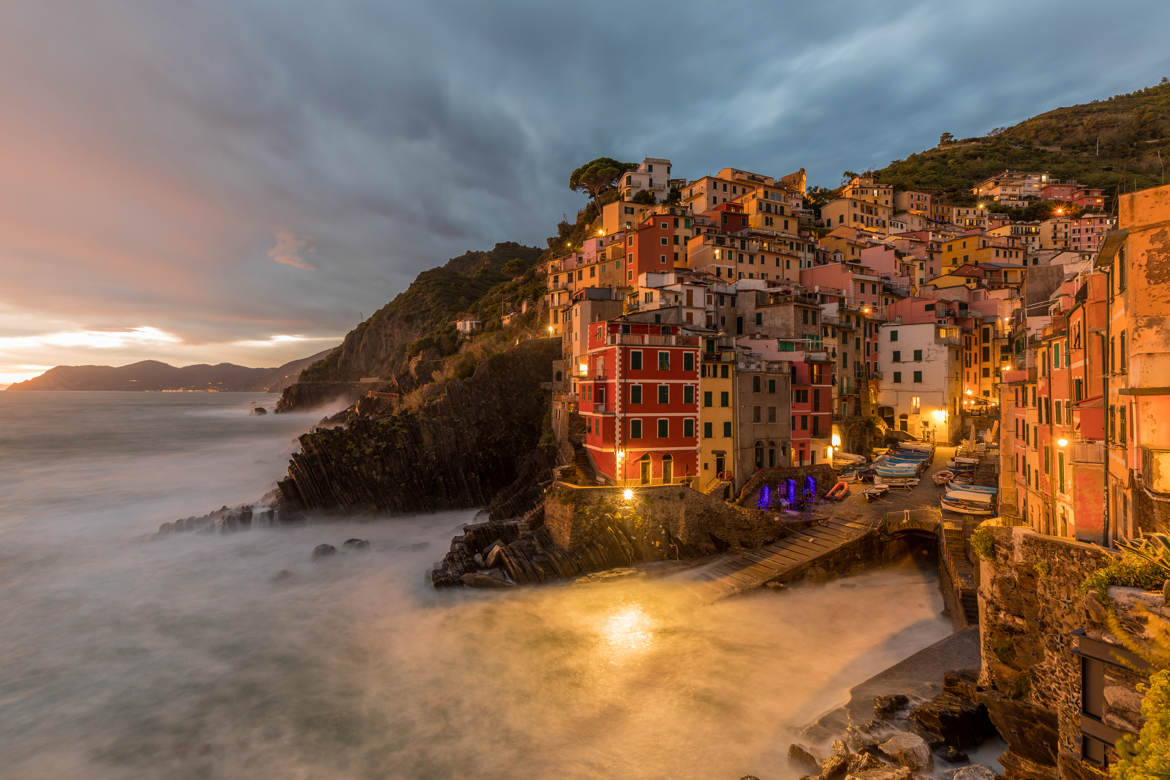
(1095, 144)
(419, 320)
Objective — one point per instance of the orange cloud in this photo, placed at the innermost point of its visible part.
(289, 250)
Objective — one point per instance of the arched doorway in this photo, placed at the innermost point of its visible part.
(667, 469)
(644, 466)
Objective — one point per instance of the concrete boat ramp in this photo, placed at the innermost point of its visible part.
(737, 572)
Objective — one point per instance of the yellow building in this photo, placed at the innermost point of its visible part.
(621, 215)
(716, 417)
(974, 249)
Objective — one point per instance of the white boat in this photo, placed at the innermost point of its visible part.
(964, 507)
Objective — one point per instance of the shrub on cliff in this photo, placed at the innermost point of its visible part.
(1148, 756)
(1127, 570)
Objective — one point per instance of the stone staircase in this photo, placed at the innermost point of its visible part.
(953, 548)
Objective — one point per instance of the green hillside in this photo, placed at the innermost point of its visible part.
(1095, 144)
(420, 318)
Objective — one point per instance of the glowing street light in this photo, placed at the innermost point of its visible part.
(628, 494)
(1062, 442)
(550, 330)
(939, 414)
(836, 440)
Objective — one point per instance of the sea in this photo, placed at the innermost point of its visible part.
(203, 655)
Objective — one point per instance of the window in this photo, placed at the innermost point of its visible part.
(688, 361)
(897, 356)
(918, 376)
(664, 429)
(635, 429)
(1121, 430)
(724, 400)
(689, 428)
(664, 394)
(707, 398)
(707, 434)
(755, 384)
(893, 335)
(771, 414)
(727, 430)
(755, 414)
(663, 361)
(804, 422)
(688, 394)
(917, 356)
(897, 377)
(771, 385)
(915, 404)
(635, 394)
(723, 372)
(636, 360)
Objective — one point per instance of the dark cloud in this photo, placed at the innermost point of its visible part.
(161, 156)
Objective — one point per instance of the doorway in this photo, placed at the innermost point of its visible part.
(644, 464)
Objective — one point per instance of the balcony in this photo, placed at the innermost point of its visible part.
(600, 408)
(650, 340)
(1088, 452)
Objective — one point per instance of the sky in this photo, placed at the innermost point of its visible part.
(245, 180)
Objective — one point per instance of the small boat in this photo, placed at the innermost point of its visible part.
(876, 492)
(838, 491)
(906, 482)
(943, 477)
(964, 507)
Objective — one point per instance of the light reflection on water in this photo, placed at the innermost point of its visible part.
(184, 657)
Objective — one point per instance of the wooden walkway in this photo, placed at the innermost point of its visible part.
(748, 569)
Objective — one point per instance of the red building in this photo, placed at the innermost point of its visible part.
(640, 402)
(812, 409)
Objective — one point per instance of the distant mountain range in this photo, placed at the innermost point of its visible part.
(154, 375)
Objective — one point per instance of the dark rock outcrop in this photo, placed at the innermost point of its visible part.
(954, 717)
(355, 544)
(467, 441)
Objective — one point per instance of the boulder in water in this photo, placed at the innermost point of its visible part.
(282, 575)
(323, 551)
(476, 580)
(258, 410)
(356, 544)
(908, 749)
(802, 757)
(974, 772)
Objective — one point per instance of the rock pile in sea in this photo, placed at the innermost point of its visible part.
(905, 738)
(225, 520)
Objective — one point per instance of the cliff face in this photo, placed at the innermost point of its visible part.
(419, 320)
(464, 445)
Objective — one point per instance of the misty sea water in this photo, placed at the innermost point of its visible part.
(125, 655)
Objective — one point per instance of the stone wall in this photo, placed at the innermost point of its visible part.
(662, 522)
(1030, 605)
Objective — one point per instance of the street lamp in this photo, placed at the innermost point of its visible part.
(628, 494)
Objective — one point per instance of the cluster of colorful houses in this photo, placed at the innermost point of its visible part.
(719, 326)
